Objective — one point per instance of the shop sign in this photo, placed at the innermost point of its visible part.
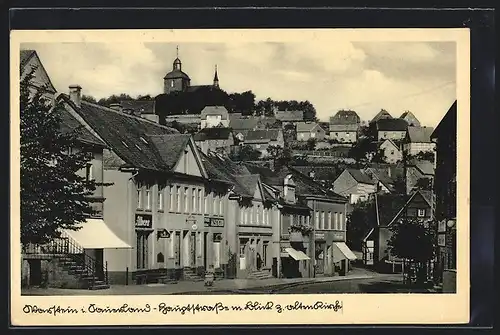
(214, 222)
(442, 240)
(162, 233)
(143, 220)
(338, 237)
(319, 236)
(190, 220)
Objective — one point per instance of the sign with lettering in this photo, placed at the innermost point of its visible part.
(338, 237)
(143, 220)
(442, 240)
(190, 220)
(213, 222)
(319, 236)
(163, 233)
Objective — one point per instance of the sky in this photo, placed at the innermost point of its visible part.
(362, 76)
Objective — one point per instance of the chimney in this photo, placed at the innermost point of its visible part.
(116, 106)
(75, 94)
(311, 174)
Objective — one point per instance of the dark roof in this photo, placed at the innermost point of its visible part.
(289, 115)
(249, 182)
(304, 185)
(138, 106)
(424, 166)
(213, 133)
(70, 124)
(243, 124)
(197, 87)
(261, 134)
(426, 195)
(176, 74)
(388, 206)
(128, 136)
(360, 176)
(448, 123)
(170, 147)
(25, 56)
(383, 114)
(382, 176)
(307, 126)
(420, 134)
(345, 117)
(392, 125)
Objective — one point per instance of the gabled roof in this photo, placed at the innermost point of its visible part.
(345, 117)
(261, 134)
(409, 116)
(170, 147)
(392, 125)
(289, 115)
(360, 176)
(426, 195)
(213, 133)
(70, 124)
(382, 176)
(307, 126)
(425, 167)
(383, 114)
(304, 185)
(387, 206)
(344, 127)
(214, 110)
(388, 140)
(128, 136)
(25, 57)
(420, 134)
(243, 124)
(249, 182)
(138, 107)
(448, 123)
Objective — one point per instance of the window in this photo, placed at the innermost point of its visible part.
(313, 134)
(347, 134)
(242, 217)
(148, 199)
(186, 200)
(341, 221)
(329, 220)
(322, 220)
(172, 195)
(193, 201)
(336, 221)
(178, 198)
(257, 219)
(139, 198)
(88, 172)
(171, 83)
(214, 204)
(245, 215)
(200, 200)
(421, 213)
(160, 200)
(221, 206)
(385, 134)
(316, 220)
(392, 152)
(172, 243)
(206, 209)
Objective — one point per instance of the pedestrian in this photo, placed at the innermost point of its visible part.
(259, 261)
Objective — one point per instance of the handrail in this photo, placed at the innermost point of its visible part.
(65, 245)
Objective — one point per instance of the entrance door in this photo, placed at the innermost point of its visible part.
(99, 263)
(192, 243)
(35, 278)
(205, 254)
(177, 249)
(142, 249)
(264, 255)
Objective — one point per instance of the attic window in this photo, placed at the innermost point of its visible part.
(142, 139)
(125, 144)
(138, 147)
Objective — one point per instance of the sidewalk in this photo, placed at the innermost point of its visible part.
(187, 287)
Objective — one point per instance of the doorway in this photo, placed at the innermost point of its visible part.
(35, 278)
(205, 254)
(142, 249)
(192, 244)
(99, 263)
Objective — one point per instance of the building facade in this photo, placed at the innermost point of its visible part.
(445, 186)
(307, 130)
(356, 185)
(418, 139)
(394, 129)
(214, 116)
(344, 126)
(392, 153)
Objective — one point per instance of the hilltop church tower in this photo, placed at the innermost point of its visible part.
(216, 78)
(176, 80)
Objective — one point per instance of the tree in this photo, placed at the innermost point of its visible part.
(247, 153)
(412, 242)
(281, 156)
(53, 195)
(359, 222)
(311, 143)
(89, 98)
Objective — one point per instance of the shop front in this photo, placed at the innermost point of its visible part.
(215, 246)
(254, 253)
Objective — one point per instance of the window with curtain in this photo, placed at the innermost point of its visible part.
(341, 221)
(160, 200)
(178, 198)
(316, 220)
(193, 200)
(200, 200)
(186, 200)
(329, 220)
(171, 190)
(139, 198)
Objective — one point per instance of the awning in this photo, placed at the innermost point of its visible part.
(95, 234)
(342, 251)
(297, 254)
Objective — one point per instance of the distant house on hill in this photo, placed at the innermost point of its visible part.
(355, 185)
(392, 152)
(417, 170)
(344, 126)
(394, 129)
(307, 130)
(418, 139)
(261, 139)
(386, 183)
(214, 139)
(287, 116)
(410, 118)
(383, 114)
(214, 116)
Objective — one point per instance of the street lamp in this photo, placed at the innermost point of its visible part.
(450, 223)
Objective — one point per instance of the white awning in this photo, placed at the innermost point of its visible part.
(95, 234)
(342, 251)
(297, 254)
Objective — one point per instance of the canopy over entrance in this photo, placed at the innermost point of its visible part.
(95, 234)
(297, 254)
(341, 251)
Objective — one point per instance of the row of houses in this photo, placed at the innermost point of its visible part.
(173, 211)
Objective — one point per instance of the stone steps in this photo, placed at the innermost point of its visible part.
(262, 274)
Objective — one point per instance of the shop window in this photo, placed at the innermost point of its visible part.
(148, 199)
(421, 213)
(139, 198)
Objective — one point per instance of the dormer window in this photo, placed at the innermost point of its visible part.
(142, 139)
(125, 144)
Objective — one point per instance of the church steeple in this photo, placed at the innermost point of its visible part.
(216, 78)
(177, 62)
